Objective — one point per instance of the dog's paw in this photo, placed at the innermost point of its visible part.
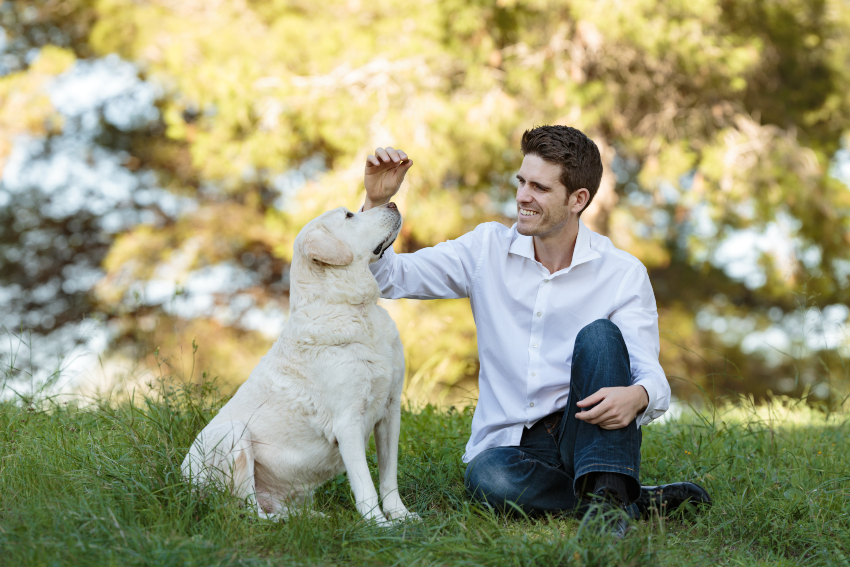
(402, 515)
(272, 516)
(376, 518)
(284, 515)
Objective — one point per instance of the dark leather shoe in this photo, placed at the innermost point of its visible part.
(605, 514)
(667, 498)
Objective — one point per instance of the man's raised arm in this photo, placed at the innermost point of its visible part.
(444, 271)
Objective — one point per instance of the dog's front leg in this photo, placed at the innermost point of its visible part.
(386, 442)
(353, 450)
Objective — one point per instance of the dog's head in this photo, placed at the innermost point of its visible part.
(333, 250)
(340, 237)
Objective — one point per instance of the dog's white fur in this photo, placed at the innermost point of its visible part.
(335, 374)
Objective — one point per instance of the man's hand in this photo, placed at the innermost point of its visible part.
(615, 407)
(384, 173)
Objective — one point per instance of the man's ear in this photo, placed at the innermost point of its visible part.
(322, 246)
(582, 196)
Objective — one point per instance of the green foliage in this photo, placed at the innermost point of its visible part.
(728, 111)
(97, 482)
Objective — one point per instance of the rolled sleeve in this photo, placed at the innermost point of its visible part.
(637, 318)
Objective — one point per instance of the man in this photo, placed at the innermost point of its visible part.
(567, 339)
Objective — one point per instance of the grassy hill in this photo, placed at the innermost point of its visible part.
(99, 484)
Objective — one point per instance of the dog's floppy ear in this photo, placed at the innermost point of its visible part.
(322, 246)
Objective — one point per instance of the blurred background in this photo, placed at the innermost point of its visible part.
(158, 157)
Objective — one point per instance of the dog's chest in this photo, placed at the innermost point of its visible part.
(350, 362)
(378, 359)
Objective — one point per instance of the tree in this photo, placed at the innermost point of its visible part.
(716, 119)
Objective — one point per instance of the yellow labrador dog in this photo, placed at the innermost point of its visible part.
(335, 374)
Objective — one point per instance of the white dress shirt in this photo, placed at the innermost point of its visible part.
(528, 319)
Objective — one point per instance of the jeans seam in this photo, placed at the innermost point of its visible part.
(548, 466)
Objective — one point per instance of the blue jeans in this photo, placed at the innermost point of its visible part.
(548, 471)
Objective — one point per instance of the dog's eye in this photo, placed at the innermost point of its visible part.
(349, 215)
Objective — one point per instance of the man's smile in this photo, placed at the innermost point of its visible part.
(527, 212)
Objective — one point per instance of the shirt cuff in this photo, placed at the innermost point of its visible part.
(646, 415)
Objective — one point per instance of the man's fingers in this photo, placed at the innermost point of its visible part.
(612, 425)
(593, 415)
(614, 420)
(594, 420)
(388, 155)
(610, 419)
(592, 399)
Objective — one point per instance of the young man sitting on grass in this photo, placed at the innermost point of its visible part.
(567, 340)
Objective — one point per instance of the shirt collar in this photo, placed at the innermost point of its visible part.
(523, 245)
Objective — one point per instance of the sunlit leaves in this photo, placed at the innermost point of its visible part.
(713, 116)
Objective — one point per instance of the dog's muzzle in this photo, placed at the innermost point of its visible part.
(383, 246)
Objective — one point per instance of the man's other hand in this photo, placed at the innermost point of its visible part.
(384, 173)
(614, 408)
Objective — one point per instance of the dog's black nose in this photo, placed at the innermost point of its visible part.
(391, 205)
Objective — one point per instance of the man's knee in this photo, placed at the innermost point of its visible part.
(600, 331)
(601, 342)
(488, 480)
(601, 338)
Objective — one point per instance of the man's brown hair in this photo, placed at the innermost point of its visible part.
(578, 156)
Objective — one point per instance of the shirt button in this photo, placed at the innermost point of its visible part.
(539, 314)
(545, 281)
(535, 345)
(531, 405)
(534, 373)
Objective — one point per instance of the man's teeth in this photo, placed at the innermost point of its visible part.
(527, 213)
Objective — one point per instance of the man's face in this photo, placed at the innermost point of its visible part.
(541, 198)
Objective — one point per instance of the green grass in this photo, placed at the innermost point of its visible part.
(99, 484)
